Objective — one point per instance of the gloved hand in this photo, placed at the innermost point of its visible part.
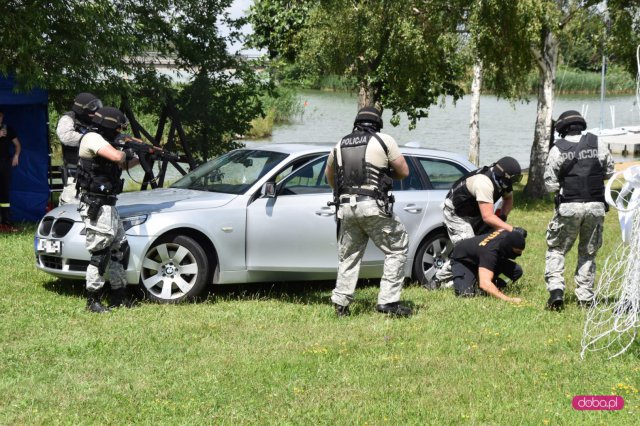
(520, 230)
(129, 154)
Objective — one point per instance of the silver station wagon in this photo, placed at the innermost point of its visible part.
(255, 214)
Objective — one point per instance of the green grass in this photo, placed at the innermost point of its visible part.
(276, 354)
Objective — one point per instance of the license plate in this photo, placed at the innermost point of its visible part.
(48, 246)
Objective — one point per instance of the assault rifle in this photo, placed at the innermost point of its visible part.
(145, 152)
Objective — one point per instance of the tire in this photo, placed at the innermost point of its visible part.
(433, 252)
(175, 269)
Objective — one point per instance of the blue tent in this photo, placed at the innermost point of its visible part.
(27, 114)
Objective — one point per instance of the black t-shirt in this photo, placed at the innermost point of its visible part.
(482, 251)
(6, 143)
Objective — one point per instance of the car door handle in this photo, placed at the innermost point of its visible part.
(412, 208)
(325, 211)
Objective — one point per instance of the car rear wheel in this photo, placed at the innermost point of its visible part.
(175, 269)
(430, 257)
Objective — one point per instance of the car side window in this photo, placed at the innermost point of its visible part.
(308, 179)
(442, 174)
(411, 182)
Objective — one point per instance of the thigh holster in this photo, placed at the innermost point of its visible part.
(100, 259)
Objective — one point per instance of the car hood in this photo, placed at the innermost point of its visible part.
(169, 199)
(156, 200)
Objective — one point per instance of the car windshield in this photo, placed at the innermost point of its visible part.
(231, 173)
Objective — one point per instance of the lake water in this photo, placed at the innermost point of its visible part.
(505, 128)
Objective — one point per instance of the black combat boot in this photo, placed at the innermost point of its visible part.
(394, 309)
(118, 298)
(342, 311)
(94, 304)
(556, 300)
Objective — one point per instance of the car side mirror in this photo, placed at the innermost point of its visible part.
(269, 190)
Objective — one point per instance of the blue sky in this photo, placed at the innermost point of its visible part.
(239, 8)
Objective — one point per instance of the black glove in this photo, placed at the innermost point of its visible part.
(520, 230)
(129, 154)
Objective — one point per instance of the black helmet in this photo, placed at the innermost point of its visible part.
(508, 171)
(85, 105)
(109, 121)
(570, 121)
(368, 116)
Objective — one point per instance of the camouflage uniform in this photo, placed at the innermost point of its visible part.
(359, 222)
(106, 232)
(573, 220)
(458, 229)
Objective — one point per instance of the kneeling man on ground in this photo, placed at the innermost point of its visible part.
(482, 259)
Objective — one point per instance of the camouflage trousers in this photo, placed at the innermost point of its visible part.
(106, 232)
(459, 229)
(573, 221)
(360, 222)
(68, 194)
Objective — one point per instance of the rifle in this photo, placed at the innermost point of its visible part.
(146, 153)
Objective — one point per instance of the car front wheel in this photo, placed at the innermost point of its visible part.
(430, 257)
(175, 269)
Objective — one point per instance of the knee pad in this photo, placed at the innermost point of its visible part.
(100, 259)
(121, 255)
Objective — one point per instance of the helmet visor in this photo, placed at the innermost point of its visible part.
(514, 178)
(93, 105)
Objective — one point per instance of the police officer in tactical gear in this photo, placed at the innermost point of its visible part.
(71, 126)
(98, 182)
(575, 171)
(469, 206)
(482, 259)
(361, 169)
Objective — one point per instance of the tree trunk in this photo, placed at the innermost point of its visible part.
(474, 124)
(547, 61)
(366, 96)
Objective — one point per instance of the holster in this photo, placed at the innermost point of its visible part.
(95, 202)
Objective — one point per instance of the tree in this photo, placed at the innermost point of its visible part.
(497, 48)
(102, 47)
(401, 54)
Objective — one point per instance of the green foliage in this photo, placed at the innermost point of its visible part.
(104, 48)
(570, 80)
(625, 33)
(399, 54)
(215, 110)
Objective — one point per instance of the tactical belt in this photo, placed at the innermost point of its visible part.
(108, 200)
(345, 199)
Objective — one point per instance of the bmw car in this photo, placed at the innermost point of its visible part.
(254, 214)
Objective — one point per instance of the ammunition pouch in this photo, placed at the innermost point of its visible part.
(100, 259)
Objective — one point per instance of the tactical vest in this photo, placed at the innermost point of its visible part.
(464, 203)
(581, 175)
(99, 176)
(355, 172)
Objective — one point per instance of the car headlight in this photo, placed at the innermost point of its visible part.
(131, 221)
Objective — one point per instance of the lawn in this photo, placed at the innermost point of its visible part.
(276, 353)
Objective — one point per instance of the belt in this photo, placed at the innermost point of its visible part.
(105, 200)
(345, 199)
